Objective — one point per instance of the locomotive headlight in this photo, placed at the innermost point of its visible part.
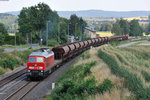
(40, 67)
(31, 67)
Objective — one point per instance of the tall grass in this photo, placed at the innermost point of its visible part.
(133, 81)
(72, 85)
(13, 60)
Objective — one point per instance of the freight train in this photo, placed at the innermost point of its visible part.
(44, 61)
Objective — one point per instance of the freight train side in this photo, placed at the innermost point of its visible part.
(44, 60)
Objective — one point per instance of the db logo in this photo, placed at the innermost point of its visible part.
(35, 65)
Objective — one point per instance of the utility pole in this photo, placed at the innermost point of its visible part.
(47, 33)
(68, 31)
(75, 30)
(59, 31)
(15, 40)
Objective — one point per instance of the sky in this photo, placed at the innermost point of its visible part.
(74, 5)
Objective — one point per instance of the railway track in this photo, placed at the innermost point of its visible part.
(21, 92)
(12, 77)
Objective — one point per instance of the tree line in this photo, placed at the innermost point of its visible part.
(122, 27)
(36, 21)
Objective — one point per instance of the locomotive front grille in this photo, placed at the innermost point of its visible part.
(35, 73)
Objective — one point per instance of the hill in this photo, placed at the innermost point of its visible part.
(97, 13)
(10, 22)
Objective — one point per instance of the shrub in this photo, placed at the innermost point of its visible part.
(1, 50)
(9, 63)
(106, 85)
(146, 76)
(53, 43)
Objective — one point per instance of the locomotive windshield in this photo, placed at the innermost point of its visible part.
(39, 59)
(32, 59)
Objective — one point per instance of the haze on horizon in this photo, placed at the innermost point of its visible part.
(74, 5)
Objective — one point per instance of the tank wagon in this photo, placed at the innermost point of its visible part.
(44, 61)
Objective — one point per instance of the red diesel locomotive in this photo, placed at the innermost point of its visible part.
(44, 61)
(40, 62)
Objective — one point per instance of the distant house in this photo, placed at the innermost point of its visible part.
(89, 32)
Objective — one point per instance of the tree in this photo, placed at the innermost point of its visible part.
(25, 23)
(34, 19)
(148, 29)
(74, 25)
(3, 33)
(106, 27)
(125, 27)
(135, 28)
(116, 29)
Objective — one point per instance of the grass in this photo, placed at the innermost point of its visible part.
(130, 63)
(78, 83)
(12, 60)
(12, 46)
(89, 78)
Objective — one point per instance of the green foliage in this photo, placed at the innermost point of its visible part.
(24, 55)
(76, 25)
(85, 55)
(135, 28)
(10, 22)
(14, 59)
(72, 84)
(116, 29)
(104, 27)
(53, 43)
(3, 33)
(1, 72)
(125, 27)
(133, 82)
(1, 50)
(105, 86)
(148, 29)
(146, 76)
(9, 63)
(122, 27)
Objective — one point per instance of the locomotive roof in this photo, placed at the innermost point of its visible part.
(45, 52)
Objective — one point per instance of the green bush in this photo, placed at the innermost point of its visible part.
(146, 76)
(72, 84)
(106, 85)
(24, 54)
(85, 55)
(1, 72)
(53, 43)
(9, 63)
(1, 50)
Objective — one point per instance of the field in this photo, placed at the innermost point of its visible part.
(131, 63)
(90, 78)
(137, 18)
(104, 34)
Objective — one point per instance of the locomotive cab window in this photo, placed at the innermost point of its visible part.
(39, 59)
(32, 59)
